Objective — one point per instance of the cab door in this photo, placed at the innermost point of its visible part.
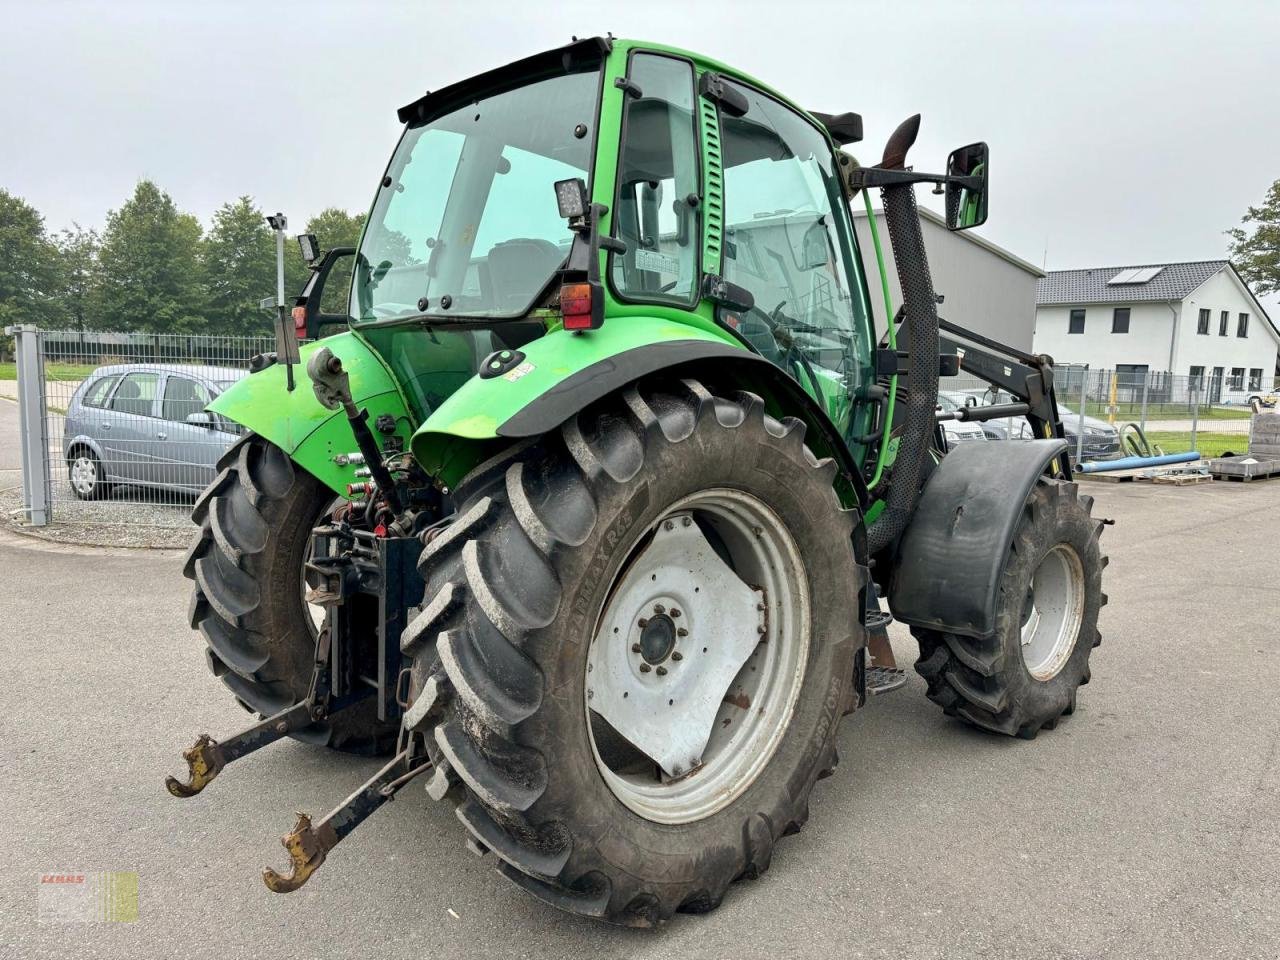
(787, 239)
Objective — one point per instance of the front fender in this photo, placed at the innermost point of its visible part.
(559, 375)
(296, 422)
(947, 569)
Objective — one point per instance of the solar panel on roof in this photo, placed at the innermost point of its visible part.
(1134, 275)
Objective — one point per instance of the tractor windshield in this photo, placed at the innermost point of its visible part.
(466, 223)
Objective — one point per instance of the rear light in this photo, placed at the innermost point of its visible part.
(581, 305)
(300, 322)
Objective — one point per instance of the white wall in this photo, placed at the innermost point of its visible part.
(1151, 338)
(1222, 292)
(1147, 342)
(983, 291)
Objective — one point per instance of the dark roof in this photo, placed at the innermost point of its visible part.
(1175, 281)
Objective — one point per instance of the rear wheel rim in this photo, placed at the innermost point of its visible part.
(658, 616)
(1052, 612)
(84, 474)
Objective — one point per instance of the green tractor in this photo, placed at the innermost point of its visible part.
(589, 518)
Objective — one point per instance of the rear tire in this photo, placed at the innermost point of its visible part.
(516, 589)
(246, 560)
(1024, 677)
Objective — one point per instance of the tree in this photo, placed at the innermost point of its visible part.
(28, 265)
(1256, 253)
(150, 276)
(337, 228)
(239, 261)
(77, 276)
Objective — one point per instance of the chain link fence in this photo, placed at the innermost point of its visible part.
(113, 427)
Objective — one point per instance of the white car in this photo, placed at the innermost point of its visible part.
(956, 431)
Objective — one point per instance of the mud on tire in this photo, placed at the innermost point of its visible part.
(985, 681)
(514, 588)
(246, 560)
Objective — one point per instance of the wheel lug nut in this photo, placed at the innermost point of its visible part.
(659, 608)
(761, 630)
(685, 522)
(681, 632)
(662, 671)
(635, 648)
(645, 668)
(677, 655)
(643, 622)
(675, 612)
(668, 525)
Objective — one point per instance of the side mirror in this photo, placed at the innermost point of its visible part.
(313, 293)
(814, 249)
(201, 419)
(967, 187)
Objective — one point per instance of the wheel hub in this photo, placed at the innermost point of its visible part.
(657, 639)
(1052, 612)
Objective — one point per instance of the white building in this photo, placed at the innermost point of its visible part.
(1197, 320)
(984, 287)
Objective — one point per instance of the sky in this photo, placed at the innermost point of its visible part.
(1120, 133)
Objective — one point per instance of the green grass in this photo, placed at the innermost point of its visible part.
(1126, 412)
(1208, 444)
(54, 371)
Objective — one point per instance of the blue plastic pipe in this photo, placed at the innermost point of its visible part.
(1133, 463)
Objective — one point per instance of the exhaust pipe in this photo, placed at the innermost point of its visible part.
(921, 317)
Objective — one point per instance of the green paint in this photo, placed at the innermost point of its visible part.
(297, 423)
(476, 410)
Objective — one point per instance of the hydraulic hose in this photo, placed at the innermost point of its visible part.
(921, 311)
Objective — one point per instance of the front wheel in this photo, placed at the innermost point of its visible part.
(84, 470)
(1024, 676)
(637, 642)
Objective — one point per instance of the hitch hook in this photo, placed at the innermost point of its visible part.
(205, 761)
(307, 847)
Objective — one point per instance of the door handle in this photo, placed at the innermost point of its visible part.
(162, 436)
(106, 426)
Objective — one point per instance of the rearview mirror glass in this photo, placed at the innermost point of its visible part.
(201, 419)
(967, 193)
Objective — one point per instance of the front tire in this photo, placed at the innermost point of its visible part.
(509, 648)
(84, 472)
(1024, 677)
(247, 561)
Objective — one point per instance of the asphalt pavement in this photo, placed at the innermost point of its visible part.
(1146, 825)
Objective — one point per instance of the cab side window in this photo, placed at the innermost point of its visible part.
(657, 174)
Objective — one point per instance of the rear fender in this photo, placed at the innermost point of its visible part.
(295, 421)
(947, 568)
(563, 373)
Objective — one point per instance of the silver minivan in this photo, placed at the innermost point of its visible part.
(144, 424)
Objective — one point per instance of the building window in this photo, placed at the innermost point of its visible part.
(1242, 325)
(1255, 378)
(1202, 325)
(1237, 378)
(1120, 320)
(1223, 319)
(1076, 323)
(1197, 373)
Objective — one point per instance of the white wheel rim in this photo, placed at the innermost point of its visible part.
(84, 474)
(1052, 612)
(733, 640)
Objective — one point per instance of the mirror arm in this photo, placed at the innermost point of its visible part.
(867, 177)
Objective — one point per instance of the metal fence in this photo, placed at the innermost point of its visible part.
(1108, 414)
(113, 428)
(112, 425)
